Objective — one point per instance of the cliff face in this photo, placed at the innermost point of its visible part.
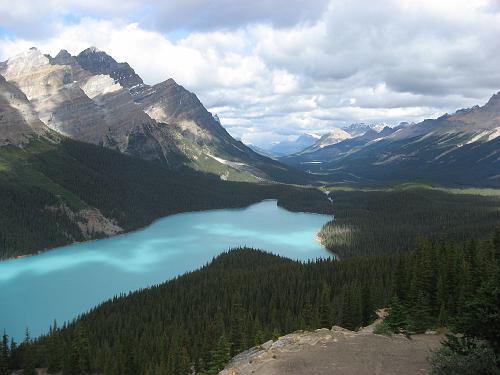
(18, 120)
(90, 108)
(93, 98)
(336, 351)
(99, 62)
(55, 95)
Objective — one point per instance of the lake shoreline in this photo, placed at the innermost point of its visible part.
(75, 278)
(317, 238)
(126, 232)
(138, 229)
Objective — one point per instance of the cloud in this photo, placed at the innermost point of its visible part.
(273, 71)
(222, 14)
(41, 18)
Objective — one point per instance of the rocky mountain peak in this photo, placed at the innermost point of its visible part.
(64, 58)
(93, 98)
(99, 62)
(91, 49)
(63, 54)
(168, 83)
(24, 61)
(494, 100)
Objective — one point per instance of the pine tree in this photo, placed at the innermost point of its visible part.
(325, 311)
(308, 314)
(237, 326)
(219, 357)
(397, 320)
(276, 334)
(28, 355)
(14, 358)
(352, 309)
(79, 359)
(54, 350)
(4, 355)
(481, 317)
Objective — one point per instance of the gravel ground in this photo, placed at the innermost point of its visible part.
(337, 351)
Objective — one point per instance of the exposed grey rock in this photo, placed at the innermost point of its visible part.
(63, 58)
(169, 102)
(90, 221)
(95, 99)
(90, 108)
(55, 94)
(336, 351)
(99, 62)
(18, 120)
(267, 345)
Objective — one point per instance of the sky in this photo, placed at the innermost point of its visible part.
(274, 69)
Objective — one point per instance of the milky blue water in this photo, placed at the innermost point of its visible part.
(64, 282)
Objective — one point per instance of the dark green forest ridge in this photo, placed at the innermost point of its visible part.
(375, 222)
(45, 184)
(245, 297)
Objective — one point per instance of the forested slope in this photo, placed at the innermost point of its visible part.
(373, 222)
(47, 186)
(246, 296)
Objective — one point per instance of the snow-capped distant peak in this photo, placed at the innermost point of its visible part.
(358, 129)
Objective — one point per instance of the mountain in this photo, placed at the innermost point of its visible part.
(92, 98)
(310, 159)
(288, 147)
(260, 150)
(333, 137)
(461, 149)
(99, 62)
(18, 121)
(357, 129)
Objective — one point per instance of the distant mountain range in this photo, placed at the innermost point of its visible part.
(93, 98)
(456, 149)
(288, 147)
(306, 143)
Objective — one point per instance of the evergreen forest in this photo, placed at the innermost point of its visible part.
(245, 297)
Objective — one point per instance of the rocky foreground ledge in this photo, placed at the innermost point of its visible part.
(337, 351)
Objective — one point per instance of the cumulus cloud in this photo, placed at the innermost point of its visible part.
(275, 69)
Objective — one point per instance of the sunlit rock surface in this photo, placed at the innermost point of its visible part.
(18, 120)
(336, 351)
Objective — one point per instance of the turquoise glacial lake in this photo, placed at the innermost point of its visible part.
(67, 281)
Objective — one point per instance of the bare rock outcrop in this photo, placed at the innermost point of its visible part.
(18, 120)
(336, 351)
(90, 220)
(87, 107)
(55, 95)
(99, 62)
